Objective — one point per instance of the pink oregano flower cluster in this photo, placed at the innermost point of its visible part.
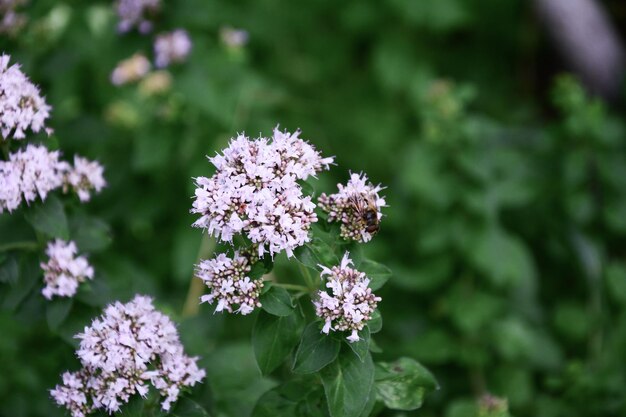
(171, 47)
(229, 283)
(136, 13)
(64, 271)
(255, 192)
(350, 303)
(349, 204)
(125, 351)
(35, 171)
(21, 105)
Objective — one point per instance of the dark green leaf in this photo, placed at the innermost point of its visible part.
(316, 350)
(362, 346)
(186, 407)
(9, 270)
(276, 301)
(273, 338)
(49, 218)
(57, 310)
(347, 384)
(29, 274)
(403, 384)
(377, 273)
(376, 322)
(285, 400)
(315, 253)
(89, 233)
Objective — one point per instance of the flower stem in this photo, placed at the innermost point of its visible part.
(294, 287)
(19, 245)
(196, 286)
(308, 278)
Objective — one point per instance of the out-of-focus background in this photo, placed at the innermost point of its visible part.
(505, 176)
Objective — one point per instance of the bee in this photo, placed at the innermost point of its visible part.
(367, 210)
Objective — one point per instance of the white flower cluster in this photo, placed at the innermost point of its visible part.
(255, 192)
(64, 270)
(229, 283)
(352, 302)
(352, 205)
(125, 350)
(135, 13)
(35, 171)
(171, 48)
(130, 70)
(85, 176)
(233, 38)
(21, 105)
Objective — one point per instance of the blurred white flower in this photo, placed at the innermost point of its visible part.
(35, 171)
(356, 206)
(350, 303)
(130, 70)
(21, 105)
(85, 176)
(125, 350)
(229, 283)
(255, 192)
(171, 48)
(64, 271)
(233, 38)
(133, 13)
(28, 174)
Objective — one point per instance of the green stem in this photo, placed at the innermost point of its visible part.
(19, 245)
(196, 286)
(294, 287)
(5, 149)
(308, 278)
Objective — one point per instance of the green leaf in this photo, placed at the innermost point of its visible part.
(289, 400)
(29, 274)
(376, 322)
(377, 273)
(90, 234)
(49, 218)
(315, 253)
(403, 384)
(276, 301)
(316, 350)
(273, 338)
(57, 310)
(9, 270)
(362, 346)
(186, 407)
(347, 384)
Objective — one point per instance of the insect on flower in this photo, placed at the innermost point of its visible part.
(366, 209)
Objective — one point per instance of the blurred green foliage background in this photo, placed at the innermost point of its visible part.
(506, 187)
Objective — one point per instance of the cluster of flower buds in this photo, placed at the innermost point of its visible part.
(130, 70)
(351, 303)
(35, 171)
(64, 271)
(229, 283)
(356, 206)
(133, 13)
(255, 192)
(21, 105)
(124, 351)
(171, 47)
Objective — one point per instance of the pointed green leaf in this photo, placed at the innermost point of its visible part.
(276, 301)
(377, 273)
(347, 384)
(403, 384)
(273, 339)
(57, 310)
(316, 350)
(49, 218)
